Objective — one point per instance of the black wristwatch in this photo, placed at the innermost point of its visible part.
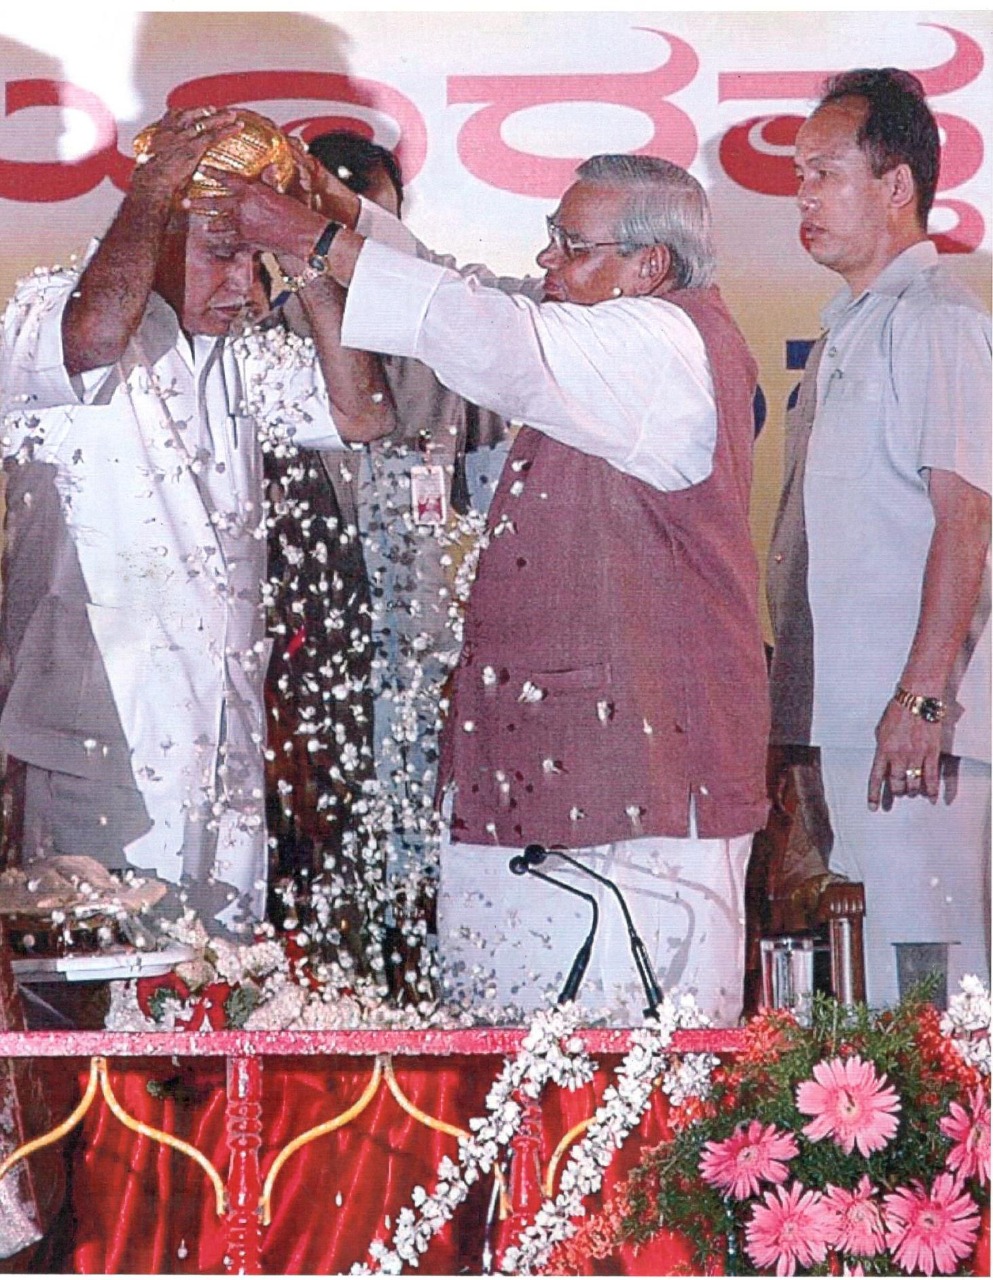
(317, 263)
(918, 704)
(318, 260)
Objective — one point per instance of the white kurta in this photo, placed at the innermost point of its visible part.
(627, 380)
(158, 468)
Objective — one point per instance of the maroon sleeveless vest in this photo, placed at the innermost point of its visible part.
(613, 664)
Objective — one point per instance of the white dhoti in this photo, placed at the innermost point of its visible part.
(510, 940)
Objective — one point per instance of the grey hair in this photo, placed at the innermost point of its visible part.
(667, 206)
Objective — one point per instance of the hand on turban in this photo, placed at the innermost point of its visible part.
(254, 147)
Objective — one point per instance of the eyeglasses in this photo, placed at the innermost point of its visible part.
(572, 246)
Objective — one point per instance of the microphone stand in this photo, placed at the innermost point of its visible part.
(520, 865)
(536, 853)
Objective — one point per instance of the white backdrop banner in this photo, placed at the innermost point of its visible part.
(489, 114)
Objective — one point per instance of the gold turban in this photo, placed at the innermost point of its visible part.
(258, 145)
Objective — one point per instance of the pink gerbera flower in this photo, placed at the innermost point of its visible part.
(850, 1104)
(970, 1131)
(931, 1231)
(859, 1226)
(789, 1228)
(751, 1155)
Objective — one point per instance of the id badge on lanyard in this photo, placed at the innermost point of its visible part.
(429, 488)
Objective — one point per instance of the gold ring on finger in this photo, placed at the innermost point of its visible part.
(913, 773)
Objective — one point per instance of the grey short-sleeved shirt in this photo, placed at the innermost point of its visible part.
(903, 386)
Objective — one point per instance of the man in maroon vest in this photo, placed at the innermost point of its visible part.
(610, 697)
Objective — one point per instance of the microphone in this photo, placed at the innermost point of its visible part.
(535, 854)
(523, 865)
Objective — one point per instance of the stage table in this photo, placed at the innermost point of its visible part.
(289, 1152)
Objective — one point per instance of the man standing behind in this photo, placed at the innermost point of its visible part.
(394, 560)
(878, 574)
(610, 696)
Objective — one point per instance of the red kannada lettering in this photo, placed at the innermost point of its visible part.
(484, 153)
(49, 181)
(757, 154)
(46, 181)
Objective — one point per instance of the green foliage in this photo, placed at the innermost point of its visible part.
(240, 1003)
(904, 1045)
(159, 999)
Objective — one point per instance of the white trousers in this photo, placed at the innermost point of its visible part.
(926, 868)
(507, 942)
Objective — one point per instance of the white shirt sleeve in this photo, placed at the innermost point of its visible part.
(32, 363)
(376, 223)
(625, 380)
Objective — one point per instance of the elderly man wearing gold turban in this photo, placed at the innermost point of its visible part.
(135, 394)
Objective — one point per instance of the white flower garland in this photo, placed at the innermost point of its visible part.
(551, 1052)
(967, 1023)
(621, 1110)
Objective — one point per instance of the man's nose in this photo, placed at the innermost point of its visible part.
(242, 273)
(550, 256)
(805, 198)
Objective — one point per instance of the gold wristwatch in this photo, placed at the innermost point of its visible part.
(918, 704)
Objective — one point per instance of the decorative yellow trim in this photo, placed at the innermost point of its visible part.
(99, 1078)
(53, 1135)
(329, 1126)
(560, 1150)
(166, 1139)
(441, 1126)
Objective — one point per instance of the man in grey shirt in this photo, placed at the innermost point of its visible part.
(878, 573)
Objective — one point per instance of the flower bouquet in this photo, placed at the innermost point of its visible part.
(223, 984)
(857, 1145)
(280, 980)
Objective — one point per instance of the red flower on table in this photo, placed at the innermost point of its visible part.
(937, 1056)
(689, 1112)
(765, 1036)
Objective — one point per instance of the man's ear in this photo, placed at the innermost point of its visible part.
(655, 264)
(902, 188)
